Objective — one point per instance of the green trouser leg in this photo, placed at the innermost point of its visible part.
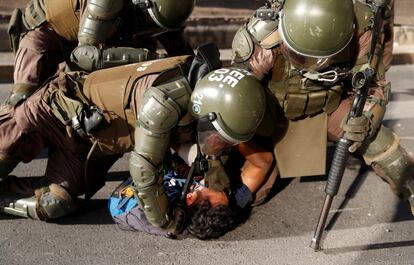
(390, 161)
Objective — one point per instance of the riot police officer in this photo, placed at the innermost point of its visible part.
(138, 107)
(307, 51)
(91, 35)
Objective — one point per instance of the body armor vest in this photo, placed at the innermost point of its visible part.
(301, 97)
(298, 96)
(63, 16)
(118, 92)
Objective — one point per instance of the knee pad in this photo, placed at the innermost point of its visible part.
(389, 160)
(48, 203)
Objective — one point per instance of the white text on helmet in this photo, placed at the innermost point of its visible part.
(230, 77)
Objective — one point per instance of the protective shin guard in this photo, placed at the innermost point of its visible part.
(48, 203)
(151, 195)
(391, 162)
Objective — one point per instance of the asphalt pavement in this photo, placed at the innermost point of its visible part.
(368, 224)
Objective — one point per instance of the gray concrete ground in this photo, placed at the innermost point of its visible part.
(367, 224)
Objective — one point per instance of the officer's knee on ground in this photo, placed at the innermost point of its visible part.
(48, 203)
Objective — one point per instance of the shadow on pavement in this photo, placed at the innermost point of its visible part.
(385, 245)
(402, 212)
(93, 212)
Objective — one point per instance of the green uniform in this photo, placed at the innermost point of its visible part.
(132, 108)
(90, 35)
(308, 68)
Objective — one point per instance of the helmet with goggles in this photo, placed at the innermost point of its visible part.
(229, 104)
(314, 31)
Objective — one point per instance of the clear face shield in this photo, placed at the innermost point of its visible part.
(211, 142)
(302, 62)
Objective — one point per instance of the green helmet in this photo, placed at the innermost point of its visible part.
(229, 101)
(261, 30)
(313, 31)
(167, 14)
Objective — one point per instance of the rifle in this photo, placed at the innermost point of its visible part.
(360, 81)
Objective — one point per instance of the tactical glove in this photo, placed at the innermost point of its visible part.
(206, 60)
(356, 129)
(216, 177)
(178, 220)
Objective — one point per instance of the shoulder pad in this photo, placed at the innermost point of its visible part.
(104, 9)
(363, 16)
(242, 46)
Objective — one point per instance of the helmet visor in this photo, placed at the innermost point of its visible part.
(303, 62)
(212, 143)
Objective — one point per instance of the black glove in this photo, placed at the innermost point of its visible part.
(178, 220)
(216, 177)
(206, 60)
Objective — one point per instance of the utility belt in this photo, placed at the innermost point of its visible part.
(301, 97)
(72, 108)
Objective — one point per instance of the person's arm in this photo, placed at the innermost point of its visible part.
(257, 164)
(253, 173)
(378, 95)
(160, 110)
(98, 24)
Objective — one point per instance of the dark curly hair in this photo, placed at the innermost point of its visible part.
(211, 222)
